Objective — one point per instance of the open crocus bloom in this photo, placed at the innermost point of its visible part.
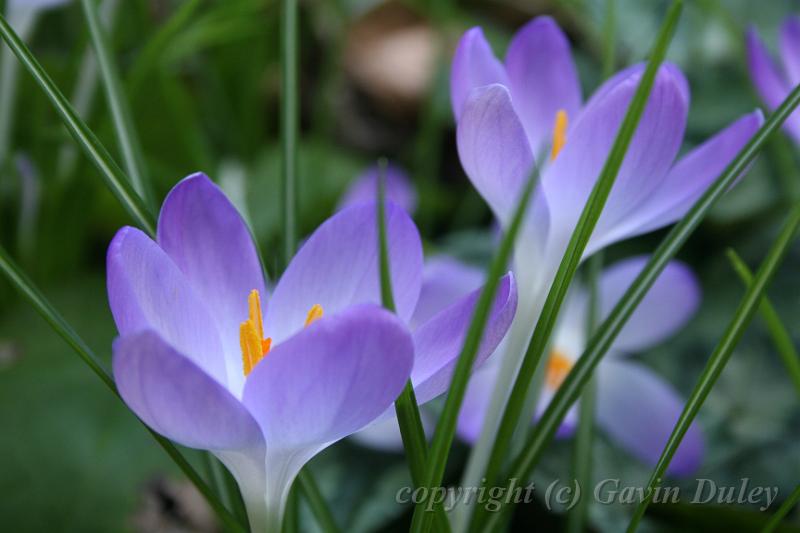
(266, 388)
(773, 83)
(398, 188)
(635, 406)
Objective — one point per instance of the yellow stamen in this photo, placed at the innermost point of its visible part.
(315, 313)
(251, 335)
(558, 366)
(559, 134)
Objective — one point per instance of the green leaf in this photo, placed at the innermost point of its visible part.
(573, 254)
(115, 178)
(722, 353)
(782, 511)
(289, 124)
(310, 489)
(570, 390)
(780, 336)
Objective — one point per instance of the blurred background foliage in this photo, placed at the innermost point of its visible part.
(203, 80)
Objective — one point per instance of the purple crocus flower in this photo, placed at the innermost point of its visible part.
(398, 188)
(199, 362)
(636, 407)
(772, 82)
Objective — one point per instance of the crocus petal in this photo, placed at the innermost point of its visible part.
(790, 48)
(177, 399)
(568, 181)
(667, 306)
(688, 179)
(570, 422)
(439, 341)
(398, 188)
(543, 79)
(494, 148)
(206, 237)
(444, 282)
(638, 410)
(474, 65)
(772, 87)
(385, 434)
(147, 291)
(476, 402)
(330, 380)
(338, 267)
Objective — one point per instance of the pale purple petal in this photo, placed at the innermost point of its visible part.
(474, 65)
(543, 79)
(494, 148)
(689, 179)
(667, 306)
(338, 267)
(444, 281)
(638, 409)
(570, 422)
(177, 399)
(385, 434)
(438, 342)
(205, 236)
(147, 291)
(569, 179)
(790, 48)
(331, 379)
(398, 189)
(476, 402)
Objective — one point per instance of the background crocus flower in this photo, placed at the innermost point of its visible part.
(398, 188)
(267, 386)
(774, 83)
(635, 407)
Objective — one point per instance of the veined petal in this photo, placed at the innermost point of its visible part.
(398, 189)
(543, 79)
(444, 281)
(147, 291)
(205, 236)
(790, 48)
(338, 267)
(474, 65)
(638, 409)
(668, 305)
(330, 380)
(769, 83)
(438, 342)
(493, 148)
(568, 181)
(177, 399)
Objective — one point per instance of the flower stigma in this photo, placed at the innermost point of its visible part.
(559, 134)
(558, 366)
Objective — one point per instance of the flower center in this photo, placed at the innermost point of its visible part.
(558, 366)
(559, 134)
(251, 332)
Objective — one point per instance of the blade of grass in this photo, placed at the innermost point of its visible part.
(573, 254)
(115, 178)
(570, 390)
(310, 489)
(782, 511)
(289, 125)
(411, 429)
(42, 306)
(446, 426)
(780, 336)
(121, 116)
(722, 353)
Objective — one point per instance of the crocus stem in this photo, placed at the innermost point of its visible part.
(289, 125)
(312, 494)
(782, 511)
(780, 336)
(722, 354)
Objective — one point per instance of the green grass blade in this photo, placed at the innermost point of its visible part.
(115, 178)
(42, 306)
(319, 507)
(722, 353)
(446, 426)
(569, 391)
(780, 336)
(121, 116)
(574, 252)
(289, 125)
(782, 511)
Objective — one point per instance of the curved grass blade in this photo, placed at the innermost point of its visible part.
(782, 511)
(42, 306)
(121, 116)
(722, 353)
(115, 178)
(310, 489)
(780, 336)
(289, 125)
(573, 254)
(446, 426)
(570, 390)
